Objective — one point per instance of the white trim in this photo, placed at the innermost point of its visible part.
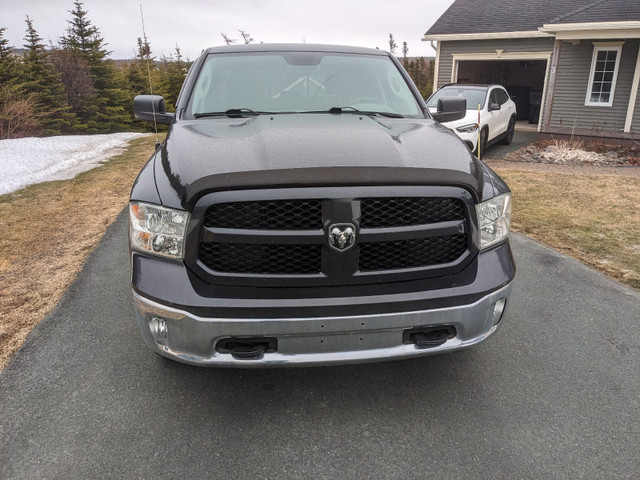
(502, 56)
(608, 44)
(486, 36)
(543, 99)
(578, 31)
(599, 47)
(436, 69)
(457, 57)
(589, 34)
(633, 96)
(568, 27)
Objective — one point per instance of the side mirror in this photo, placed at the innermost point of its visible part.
(450, 109)
(150, 107)
(494, 106)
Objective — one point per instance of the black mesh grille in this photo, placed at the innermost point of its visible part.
(250, 258)
(267, 215)
(419, 252)
(399, 212)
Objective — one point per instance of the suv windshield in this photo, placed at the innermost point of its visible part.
(475, 96)
(300, 82)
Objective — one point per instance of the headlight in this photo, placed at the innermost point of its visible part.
(494, 220)
(157, 230)
(468, 128)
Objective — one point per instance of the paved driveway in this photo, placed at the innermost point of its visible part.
(554, 395)
(521, 138)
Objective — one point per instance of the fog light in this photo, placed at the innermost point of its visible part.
(498, 310)
(159, 330)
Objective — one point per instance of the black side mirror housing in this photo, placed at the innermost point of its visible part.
(450, 109)
(494, 106)
(150, 108)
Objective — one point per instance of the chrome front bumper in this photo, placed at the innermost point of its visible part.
(187, 338)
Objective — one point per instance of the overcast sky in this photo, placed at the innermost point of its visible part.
(197, 24)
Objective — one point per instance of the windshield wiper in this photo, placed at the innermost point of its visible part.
(232, 112)
(355, 110)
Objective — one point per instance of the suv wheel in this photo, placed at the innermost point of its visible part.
(484, 134)
(510, 132)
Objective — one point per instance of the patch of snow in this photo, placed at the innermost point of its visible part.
(25, 161)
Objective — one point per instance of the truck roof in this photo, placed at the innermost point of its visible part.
(294, 47)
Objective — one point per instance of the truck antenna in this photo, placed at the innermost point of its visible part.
(147, 53)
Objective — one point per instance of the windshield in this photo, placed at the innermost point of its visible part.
(301, 82)
(474, 96)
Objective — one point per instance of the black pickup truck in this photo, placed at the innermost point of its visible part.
(307, 209)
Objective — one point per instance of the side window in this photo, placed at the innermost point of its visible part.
(493, 97)
(502, 96)
(603, 74)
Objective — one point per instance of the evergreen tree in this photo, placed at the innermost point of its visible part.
(105, 111)
(172, 73)
(18, 117)
(405, 50)
(138, 71)
(40, 78)
(246, 37)
(8, 63)
(392, 45)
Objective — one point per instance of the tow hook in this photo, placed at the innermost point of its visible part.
(428, 337)
(247, 348)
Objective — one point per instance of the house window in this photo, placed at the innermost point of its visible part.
(604, 71)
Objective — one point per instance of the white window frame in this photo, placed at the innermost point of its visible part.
(603, 47)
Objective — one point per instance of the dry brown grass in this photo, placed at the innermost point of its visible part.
(594, 218)
(46, 234)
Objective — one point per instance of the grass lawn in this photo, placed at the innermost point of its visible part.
(594, 218)
(48, 230)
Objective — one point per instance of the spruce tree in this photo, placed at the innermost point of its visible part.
(39, 78)
(8, 62)
(173, 71)
(138, 70)
(106, 110)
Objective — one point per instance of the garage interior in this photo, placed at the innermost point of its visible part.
(523, 79)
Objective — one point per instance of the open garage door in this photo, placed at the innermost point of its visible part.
(523, 79)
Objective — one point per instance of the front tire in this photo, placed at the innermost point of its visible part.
(484, 134)
(511, 129)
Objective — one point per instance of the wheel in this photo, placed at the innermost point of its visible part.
(510, 131)
(484, 133)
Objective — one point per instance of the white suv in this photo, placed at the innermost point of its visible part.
(497, 114)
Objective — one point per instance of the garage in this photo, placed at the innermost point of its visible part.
(523, 79)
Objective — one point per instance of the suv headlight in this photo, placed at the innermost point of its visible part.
(157, 230)
(494, 220)
(468, 128)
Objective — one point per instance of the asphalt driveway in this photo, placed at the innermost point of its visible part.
(555, 394)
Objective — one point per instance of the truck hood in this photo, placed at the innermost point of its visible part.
(297, 150)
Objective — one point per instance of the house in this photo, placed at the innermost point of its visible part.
(572, 66)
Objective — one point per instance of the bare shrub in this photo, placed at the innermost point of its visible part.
(18, 117)
(75, 74)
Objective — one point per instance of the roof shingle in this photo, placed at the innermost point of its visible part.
(492, 16)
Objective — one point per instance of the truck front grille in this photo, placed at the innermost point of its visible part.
(284, 241)
(267, 215)
(398, 212)
(419, 252)
(269, 259)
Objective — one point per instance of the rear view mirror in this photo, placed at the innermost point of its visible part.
(450, 109)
